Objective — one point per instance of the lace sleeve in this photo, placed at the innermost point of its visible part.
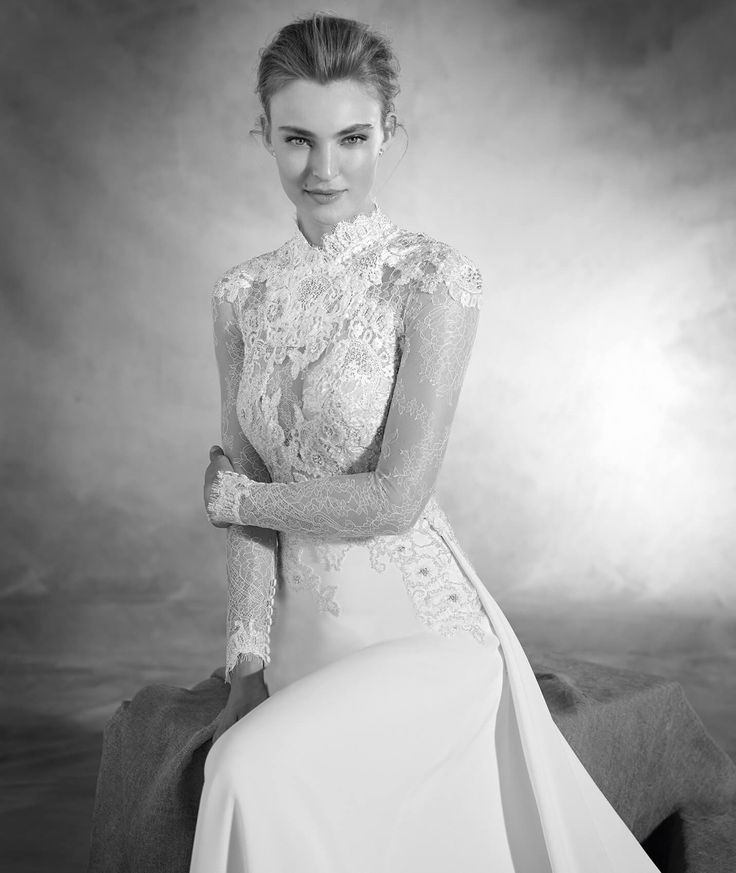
(441, 317)
(250, 550)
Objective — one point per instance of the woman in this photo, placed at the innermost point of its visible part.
(405, 730)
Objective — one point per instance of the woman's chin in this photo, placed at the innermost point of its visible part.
(342, 208)
(327, 213)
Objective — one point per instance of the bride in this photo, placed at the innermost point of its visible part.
(403, 729)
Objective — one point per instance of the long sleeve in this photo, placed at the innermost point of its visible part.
(250, 550)
(440, 322)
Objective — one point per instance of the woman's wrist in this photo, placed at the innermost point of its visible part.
(247, 666)
(223, 502)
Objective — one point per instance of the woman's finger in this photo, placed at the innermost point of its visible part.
(218, 731)
(222, 725)
(215, 451)
(227, 719)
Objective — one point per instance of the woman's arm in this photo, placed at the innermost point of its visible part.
(250, 550)
(441, 320)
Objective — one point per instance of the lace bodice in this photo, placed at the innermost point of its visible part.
(341, 368)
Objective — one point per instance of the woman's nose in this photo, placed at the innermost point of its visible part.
(323, 163)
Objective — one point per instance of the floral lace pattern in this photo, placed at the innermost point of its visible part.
(250, 551)
(303, 577)
(353, 358)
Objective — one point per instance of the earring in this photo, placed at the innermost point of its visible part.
(380, 151)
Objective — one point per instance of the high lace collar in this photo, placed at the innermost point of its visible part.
(347, 237)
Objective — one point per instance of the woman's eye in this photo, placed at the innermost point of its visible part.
(350, 140)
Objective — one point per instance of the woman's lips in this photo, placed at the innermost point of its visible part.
(324, 196)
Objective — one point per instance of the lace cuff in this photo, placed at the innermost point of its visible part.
(246, 644)
(224, 501)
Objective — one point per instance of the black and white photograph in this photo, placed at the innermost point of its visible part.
(368, 419)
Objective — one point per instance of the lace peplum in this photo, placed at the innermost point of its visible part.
(341, 367)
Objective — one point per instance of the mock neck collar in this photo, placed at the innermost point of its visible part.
(347, 237)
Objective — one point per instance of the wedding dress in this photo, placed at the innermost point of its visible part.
(405, 731)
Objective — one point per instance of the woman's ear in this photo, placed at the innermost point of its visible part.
(266, 132)
(389, 128)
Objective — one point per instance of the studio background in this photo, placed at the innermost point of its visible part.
(580, 152)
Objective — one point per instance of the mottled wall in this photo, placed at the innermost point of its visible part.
(581, 152)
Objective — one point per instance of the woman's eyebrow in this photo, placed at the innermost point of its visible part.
(300, 131)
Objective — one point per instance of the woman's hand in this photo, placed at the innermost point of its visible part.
(246, 692)
(218, 461)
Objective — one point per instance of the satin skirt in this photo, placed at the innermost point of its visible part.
(389, 747)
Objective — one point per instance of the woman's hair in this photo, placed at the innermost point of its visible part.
(325, 48)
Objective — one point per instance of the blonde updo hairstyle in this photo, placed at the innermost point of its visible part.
(325, 48)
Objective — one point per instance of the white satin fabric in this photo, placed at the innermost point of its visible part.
(386, 747)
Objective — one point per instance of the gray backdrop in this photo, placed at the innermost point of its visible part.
(582, 153)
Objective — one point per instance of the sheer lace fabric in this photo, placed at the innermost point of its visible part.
(250, 551)
(341, 367)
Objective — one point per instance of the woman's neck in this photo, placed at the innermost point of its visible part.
(314, 230)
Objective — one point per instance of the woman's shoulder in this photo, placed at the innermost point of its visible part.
(235, 282)
(427, 264)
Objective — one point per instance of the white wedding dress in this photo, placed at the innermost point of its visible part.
(405, 731)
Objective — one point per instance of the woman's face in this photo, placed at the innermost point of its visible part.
(326, 138)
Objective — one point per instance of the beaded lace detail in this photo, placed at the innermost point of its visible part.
(343, 369)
